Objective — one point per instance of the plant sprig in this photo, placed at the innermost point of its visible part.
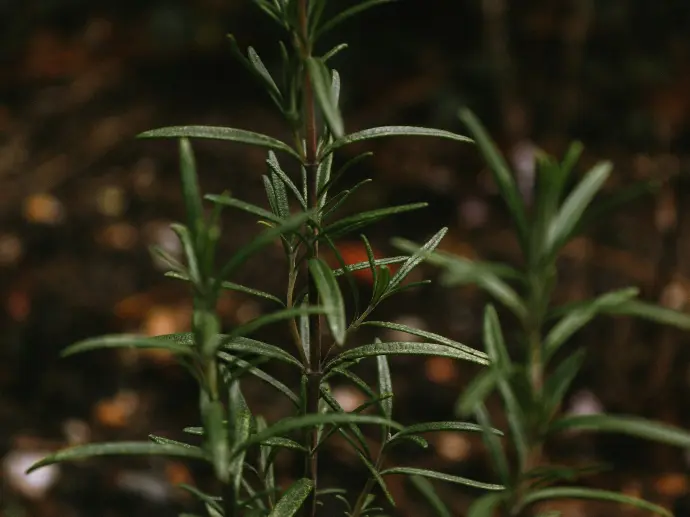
(556, 217)
(240, 445)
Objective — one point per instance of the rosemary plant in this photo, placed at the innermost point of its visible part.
(533, 385)
(301, 213)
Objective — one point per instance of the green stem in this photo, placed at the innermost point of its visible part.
(539, 297)
(314, 373)
(230, 506)
(368, 486)
(290, 301)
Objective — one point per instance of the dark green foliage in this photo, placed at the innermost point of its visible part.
(238, 444)
(533, 390)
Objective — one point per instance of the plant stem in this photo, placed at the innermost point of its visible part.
(230, 506)
(314, 374)
(359, 505)
(538, 297)
(535, 360)
(368, 487)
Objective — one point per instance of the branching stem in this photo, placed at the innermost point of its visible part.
(314, 374)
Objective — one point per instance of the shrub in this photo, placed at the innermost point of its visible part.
(302, 215)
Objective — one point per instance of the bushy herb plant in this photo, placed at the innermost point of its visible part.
(302, 214)
(534, 373)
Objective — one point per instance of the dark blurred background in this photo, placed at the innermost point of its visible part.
(81, 199)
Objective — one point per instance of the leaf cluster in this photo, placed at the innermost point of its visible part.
(533, 387)
(302, 214)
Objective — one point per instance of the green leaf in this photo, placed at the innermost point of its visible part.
(565, 222)
(359, 442)
(352, 284)
(304, 176)
(411, 471)
(323, 179)
(340, 172)
(271, 197)
(274, 165)
(376, 475)
(551, 474)
(335, 86)
(493, 340)
(477, 391)
(358, 266)
(434, 338)
(221, 133)
(498, 353)
(590, 493)
(449, 260)
(417, 257)
(331, 491)
(427, 490)
(253, 64)
(403, 348)
(348, 13)
(387, 131)
(284, 443)
(434, 427)
(460, 271)
(166, 258)
(244, 206)
(91, 450)
(417, 440)
(354, 222)
(385, 386)
(237, 428)
(203, 497)
(304, 332)
(549, 184)
(623, 424)
(501, 173)
(371, 259)
(161, 440)
(251, 346)
(383, 280)
(333, 52)
(652, 312)
(559, 381)
(293, 498)
(321, 81)
(623, 196)
(486, 505)
(167, 342)
(231, 286)
(339, 199)
(260, 68)
(273, 317)
(282, 204)
(260, 374)
(330, 297)
(494, 446)
(290, 424)
(582, 314)
(572, 155)
(262, 240)
(354, 378)
(190, 189)
(190, 252)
